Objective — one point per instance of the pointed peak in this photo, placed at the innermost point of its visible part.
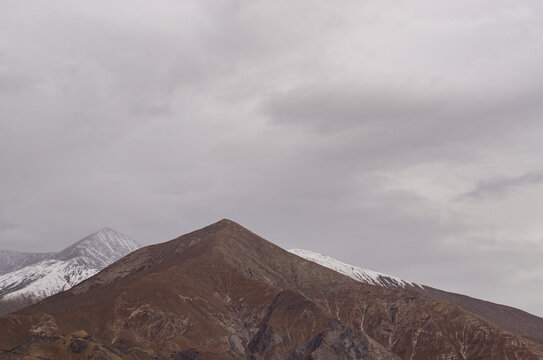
(102, 235)
(106, 230)
(105, 241)
(222, 224)
(227, 222)
(221, 230)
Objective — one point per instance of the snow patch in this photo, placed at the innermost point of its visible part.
(357, 273)
(62, 270)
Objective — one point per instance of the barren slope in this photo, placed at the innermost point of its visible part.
(509, 318)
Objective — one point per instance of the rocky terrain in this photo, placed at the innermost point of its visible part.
(509, 318)
(31, 277)
(223, 292)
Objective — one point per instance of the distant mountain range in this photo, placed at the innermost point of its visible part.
(29, 277)
(223, 292)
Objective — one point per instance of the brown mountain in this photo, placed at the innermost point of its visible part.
(223, 292)
(513, 320)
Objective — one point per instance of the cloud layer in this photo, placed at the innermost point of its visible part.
(401, 137)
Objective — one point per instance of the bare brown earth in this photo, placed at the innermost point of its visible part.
(223, 292)
(509, 318)
(7, 306)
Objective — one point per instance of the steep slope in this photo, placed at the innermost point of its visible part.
(62, 270)
(223, 292)
(15, 260)
(509, 318)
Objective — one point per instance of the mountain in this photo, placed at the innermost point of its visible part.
(48, 274)
(14, 260)
(357, 273)
(223, 292)
(509, 318)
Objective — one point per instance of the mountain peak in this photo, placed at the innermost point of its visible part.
(105, 229)
(99, 248)
(210, 232)
(224, 223)
(227, 221)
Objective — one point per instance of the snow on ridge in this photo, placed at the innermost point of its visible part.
(44, 279)
(14, 260)
(100, 249)
(61, 271)
(355, 272)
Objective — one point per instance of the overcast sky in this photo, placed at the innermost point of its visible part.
(401, 136)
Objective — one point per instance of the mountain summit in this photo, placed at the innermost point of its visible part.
(223, 292)
(99, 249)
(37, 276)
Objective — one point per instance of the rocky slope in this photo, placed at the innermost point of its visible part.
(509, 318)
(223, 292)
(55, 272)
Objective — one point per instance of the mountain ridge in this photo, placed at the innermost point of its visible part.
(13, 260)
(355, 272)
(223, 292)
(509, 318)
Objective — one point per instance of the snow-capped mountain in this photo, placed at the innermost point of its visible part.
(100, 249)
(14, 260)
(256, 301)
(55, 272)
(357, 273)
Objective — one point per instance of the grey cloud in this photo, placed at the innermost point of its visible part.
(444, 113)
(329, 107)
(294, 118)
(6, 225)
(502, 185)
